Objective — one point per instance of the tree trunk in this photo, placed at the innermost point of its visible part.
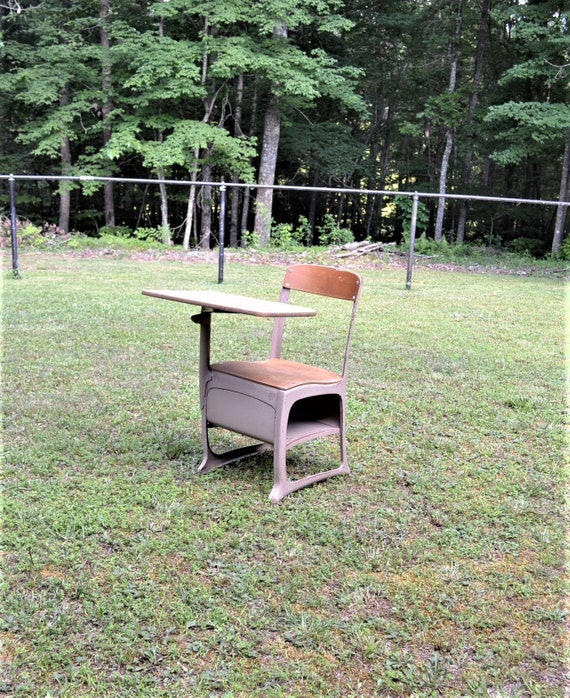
(478, 70)
(562, 211)
(371, 181)
(379, 159)
(443, 185)
(191, 203)
(314, 180)
(235, 195)
(106, 109)
(64, 188)
(164, 223)
(208, 102)
(267, 166)
(268, 163)
(244, 215)
(235, 192)
(163, 204)
(206, 219)
(449, 131)
(64, 207)
(247, 190)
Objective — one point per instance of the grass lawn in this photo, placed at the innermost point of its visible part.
(438, 568)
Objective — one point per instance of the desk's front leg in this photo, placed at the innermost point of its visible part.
(204, 319)
(211, 459)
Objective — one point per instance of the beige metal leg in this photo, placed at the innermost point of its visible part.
(212, 460)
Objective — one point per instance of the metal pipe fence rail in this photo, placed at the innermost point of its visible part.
(415, 196)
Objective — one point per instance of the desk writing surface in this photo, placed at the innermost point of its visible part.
(232, 303)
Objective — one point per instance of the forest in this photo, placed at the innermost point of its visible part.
(443, 96)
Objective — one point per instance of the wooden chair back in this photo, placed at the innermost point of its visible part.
(321, 281)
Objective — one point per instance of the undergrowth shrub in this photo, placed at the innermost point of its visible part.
(330, 233)
(404, 205)
(286, 237)
(526, 247)
(115, 231)
(250, 239)
(30, 234)
(151, 234)
(158, 234)
(564, 250)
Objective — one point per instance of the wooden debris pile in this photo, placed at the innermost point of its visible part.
(357, 249)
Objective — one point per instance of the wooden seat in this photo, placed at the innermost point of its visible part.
(278, 373)
(280, 402)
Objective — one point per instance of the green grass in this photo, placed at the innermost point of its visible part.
(437, 568)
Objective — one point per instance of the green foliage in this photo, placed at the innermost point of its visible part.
(428, 246)
(304, 232)
(177, 146)
(564, 249)
(250, 239)
(122, 232)
(330, 233)
(117, 243)
(30, 234)
(149, 234)
(524, 128)
(170, 71)
(285, 237)
(423, 245)
(360, 105)
(536, 121)
(446, 109)
(541, 42)
(404, 206)
(529, 247)
(119, 231)
(329, 147)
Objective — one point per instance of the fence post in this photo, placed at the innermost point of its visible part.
(413, 222)
(222, 233)
(14, 236)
